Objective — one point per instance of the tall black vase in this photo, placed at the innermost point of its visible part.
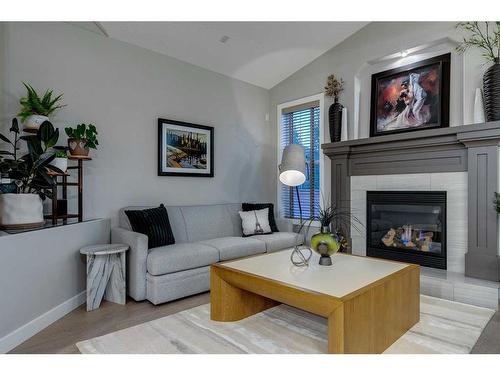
(491, 91)
(335, 120)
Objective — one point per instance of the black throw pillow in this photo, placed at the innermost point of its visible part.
(260, 206)
(154, 223)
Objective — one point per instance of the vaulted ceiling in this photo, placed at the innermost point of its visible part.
(260, 53)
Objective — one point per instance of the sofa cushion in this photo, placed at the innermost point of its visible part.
(236, 247)
(180, 257)
(207, 222)
(279, 241)
(233, 209)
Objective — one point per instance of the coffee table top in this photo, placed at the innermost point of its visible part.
(346, 275)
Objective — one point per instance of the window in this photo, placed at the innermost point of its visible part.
(300, 124)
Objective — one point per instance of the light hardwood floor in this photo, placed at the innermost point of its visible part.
(79, 325)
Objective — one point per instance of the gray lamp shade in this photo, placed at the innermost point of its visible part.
(293, 165)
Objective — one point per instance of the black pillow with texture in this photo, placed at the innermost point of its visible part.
(154, 223)
(260, 206)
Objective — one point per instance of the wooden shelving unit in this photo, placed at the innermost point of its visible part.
(62, 181)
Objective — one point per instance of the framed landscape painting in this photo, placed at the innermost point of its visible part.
(411, 97)
(185, 149)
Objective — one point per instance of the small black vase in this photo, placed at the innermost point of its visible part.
(335, 120)
(491, 91)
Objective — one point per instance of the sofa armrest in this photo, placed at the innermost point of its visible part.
(284, 225)
(136, 260)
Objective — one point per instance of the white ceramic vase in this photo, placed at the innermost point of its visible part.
(20, 211)
(344, 135)
(61, 163)
(478, 107)
(33, 122)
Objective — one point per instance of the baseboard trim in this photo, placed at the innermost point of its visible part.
(23, 333)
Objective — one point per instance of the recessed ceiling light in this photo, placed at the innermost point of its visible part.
(224, 39)
(404, 53)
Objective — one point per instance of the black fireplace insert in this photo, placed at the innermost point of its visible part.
(408, 226)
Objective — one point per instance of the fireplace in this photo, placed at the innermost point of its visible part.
(408, 226)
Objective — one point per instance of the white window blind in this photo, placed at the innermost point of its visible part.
(300, 125)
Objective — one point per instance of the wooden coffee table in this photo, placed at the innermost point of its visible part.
(369, 303)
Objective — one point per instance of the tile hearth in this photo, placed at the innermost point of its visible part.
(457, 287)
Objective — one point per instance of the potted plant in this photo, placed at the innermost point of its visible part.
(23, 208)
(333, 89)
(486, 37)
(35, 110)
(60, 160)
(81, 139)
(326, 243)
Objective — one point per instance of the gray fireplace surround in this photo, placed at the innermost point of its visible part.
(468, 148)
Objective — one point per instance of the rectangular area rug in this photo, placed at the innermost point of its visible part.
(444, 327)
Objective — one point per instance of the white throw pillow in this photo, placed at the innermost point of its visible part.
(255, 222)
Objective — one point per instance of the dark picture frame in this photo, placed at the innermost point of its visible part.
(412, 97)
(185, 149)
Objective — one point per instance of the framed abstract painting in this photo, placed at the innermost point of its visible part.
(185, 149)
(411, 97)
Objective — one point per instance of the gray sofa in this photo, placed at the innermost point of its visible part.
(203, 235)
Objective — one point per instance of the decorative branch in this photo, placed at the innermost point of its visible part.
(334, 86)
(486, 40)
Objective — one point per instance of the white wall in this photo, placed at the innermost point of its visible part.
(42, 277)
(123, 89)
(363, 54)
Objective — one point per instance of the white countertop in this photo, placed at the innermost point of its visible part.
(346, 275)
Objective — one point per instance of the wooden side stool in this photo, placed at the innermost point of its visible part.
(105, 274)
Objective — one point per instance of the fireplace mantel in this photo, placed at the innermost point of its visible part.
(467, 148)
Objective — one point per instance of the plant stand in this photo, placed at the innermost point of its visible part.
(64, 184)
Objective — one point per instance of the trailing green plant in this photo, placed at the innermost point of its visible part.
(33, 104)
(61, 154)
(483, 35)
(30, 171)
(84, 131)
(334, 86)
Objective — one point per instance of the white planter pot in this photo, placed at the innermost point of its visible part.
(19, 211)
(33, 122)
(61, 163)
